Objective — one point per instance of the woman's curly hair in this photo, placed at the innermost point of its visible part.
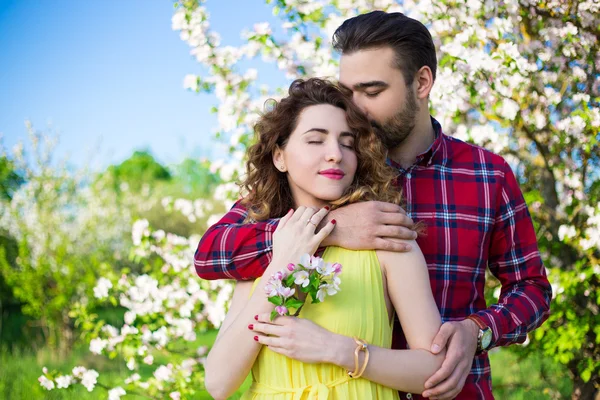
(267, 191)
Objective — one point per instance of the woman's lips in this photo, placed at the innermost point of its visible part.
(332, 174)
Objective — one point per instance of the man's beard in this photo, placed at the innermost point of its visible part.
(396, 129)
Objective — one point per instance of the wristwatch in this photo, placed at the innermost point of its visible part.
(484, 337)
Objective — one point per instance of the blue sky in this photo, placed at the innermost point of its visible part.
(107, 76)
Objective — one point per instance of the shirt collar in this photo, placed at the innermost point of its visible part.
(427, 157)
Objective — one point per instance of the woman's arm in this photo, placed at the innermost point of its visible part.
(234, 351)
(410, 292)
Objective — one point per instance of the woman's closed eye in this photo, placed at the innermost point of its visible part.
(315, 142)
(375, 94)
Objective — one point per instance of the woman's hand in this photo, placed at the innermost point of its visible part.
(295, 235)
(296, 338)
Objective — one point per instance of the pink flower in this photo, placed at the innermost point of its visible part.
(278, 275)
(286, 291)
(337, 268)
(291, 267)
(281, 310)
(302, 278)
(270, 289)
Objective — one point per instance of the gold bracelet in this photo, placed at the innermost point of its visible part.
(361, 346)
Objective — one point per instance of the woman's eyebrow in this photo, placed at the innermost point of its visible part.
(321, 130)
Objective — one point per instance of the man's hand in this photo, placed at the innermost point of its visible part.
(371, 225)
(460, 338)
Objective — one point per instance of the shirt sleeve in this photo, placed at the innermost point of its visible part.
(232, 249)
(514, 259)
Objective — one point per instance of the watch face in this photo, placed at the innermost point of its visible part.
(486, 339)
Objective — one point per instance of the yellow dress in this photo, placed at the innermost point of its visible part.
(357, 310)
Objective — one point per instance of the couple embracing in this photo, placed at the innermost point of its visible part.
(331, 166)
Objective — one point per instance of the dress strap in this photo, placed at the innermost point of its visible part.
(317, 391)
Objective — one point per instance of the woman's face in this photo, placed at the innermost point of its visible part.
(319, 157)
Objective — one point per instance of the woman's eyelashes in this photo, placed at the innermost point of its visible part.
(346, 145)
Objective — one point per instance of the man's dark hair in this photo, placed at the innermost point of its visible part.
(409, 38)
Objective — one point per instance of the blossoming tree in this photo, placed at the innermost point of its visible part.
(519, 77)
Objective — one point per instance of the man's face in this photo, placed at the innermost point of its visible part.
(379, 89)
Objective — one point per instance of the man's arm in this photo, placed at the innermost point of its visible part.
(515, 260)
(524, 299)
(231, 249)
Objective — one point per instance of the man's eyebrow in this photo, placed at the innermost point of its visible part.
(370, 84)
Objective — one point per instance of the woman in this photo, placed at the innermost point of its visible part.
(315, 150)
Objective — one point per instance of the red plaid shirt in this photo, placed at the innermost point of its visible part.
(475, 216)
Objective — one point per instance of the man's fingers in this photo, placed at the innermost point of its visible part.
(441, 339)
(441, 374)
(389, 207)
(397, 232)
(448, 388)
(396, 219)
(390, 244)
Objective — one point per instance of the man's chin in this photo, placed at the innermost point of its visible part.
(391, 141)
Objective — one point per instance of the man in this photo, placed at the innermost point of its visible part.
(467, 197)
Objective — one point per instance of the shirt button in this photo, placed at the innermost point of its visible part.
(409, 396)
(408, 176)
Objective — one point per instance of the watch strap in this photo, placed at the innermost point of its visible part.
(482, 328)
(478, 321)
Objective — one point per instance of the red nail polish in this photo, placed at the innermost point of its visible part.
(250, 326)
(327, 208)
(333, 221)
(256, 338)
(256, 317)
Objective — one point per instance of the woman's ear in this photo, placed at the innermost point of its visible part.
(278, 159)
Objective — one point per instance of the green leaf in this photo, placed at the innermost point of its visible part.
(277, 300)
(586, 375)
(273, 315)
(289, 281)
(293, 302)
(315, 299)
(304, 289)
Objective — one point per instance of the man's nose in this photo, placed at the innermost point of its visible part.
(358, 100)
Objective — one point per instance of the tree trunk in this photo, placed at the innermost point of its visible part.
(65, 341)
(586, 391)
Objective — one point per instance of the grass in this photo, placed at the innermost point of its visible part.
(514, 378)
